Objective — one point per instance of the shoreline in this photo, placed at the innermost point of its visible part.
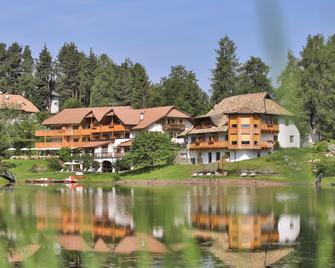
(237, 182)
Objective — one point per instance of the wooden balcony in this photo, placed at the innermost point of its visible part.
(78, 132)
(56, 145)
(269, 128)
(109, 128)
(177, 127)
(208, 145)
(266, 144)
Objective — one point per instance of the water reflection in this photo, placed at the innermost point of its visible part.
(162, 227)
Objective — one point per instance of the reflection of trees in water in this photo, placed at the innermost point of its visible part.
(77, 225)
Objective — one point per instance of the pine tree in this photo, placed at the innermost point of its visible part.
(87, 76)
(103, 88)
(124, 84)
(313, 67)
(254, 77)
(289, 92)
(224, 80)
(26, 82)
(45, 82)
(13, 64)
(181, 89)
(141, 87)
(68, 72)
(3, 66)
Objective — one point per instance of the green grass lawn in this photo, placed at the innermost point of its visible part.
(284, 165)
(22, 170)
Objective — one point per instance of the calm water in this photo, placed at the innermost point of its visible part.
(197, 226)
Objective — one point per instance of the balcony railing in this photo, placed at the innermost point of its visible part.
(266, 144)
(270, 128)
(208, 145)
(180, 127)
(49, 145)
(78, 132)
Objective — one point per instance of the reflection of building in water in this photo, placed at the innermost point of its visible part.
(237, 223)
(102, 214)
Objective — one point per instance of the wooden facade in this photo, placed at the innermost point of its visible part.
(243, 132)
(74, 136)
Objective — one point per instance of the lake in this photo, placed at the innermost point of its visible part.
(179, 226)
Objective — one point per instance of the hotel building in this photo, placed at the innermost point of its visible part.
(239, 128)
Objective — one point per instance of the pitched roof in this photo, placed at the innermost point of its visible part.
(126, 114)
(251, 103)
(94, 144)
(125, 144)
(17, 102)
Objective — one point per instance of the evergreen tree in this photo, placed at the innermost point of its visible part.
(68, 72)
(289, 92)
(181, 89)
(87, 76)
(141, 87)
(124, 84)
(45, 82)
(3, 66)
(13, 64)
(327, 98)
(104, 82)
(26, 82)
(313, 67)
(254, 77)
(224, 80)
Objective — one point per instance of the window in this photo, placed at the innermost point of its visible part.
(255, 142)
(287, 122)
(218, 156)
(234, 142)
(245, 122)
(291, 139)
(193, 139)
(127, 135)
(245, 142)
(180, 121)
(275, 138)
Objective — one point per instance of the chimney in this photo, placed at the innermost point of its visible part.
(142, 116)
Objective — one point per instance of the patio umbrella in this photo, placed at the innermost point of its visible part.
(11, 149)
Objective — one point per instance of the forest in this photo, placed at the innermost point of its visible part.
(306, 85)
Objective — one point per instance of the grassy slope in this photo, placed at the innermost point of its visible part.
(289, 165)
(22, 171)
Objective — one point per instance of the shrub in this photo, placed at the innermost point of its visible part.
(152, 148)
(122, 164)
(276, 146)
(65, 154)
(38, 168)
(54, 164)
(326, 166)
(321, 147)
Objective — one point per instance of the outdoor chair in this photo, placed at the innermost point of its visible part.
(252, 174)
(243, 174)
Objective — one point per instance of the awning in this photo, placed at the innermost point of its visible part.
(94, 144)
(125, 144)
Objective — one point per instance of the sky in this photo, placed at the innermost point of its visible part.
(160, 34)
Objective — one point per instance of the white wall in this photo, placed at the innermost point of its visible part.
(54, 107)
(285, 132)
(239, 155)
(288, 228)
(156, 127)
